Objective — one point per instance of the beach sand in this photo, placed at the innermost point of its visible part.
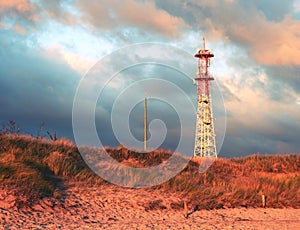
(112, 207)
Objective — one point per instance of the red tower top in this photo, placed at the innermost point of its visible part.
(204, 53)
(203, 77)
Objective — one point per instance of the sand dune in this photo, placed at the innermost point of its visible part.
(32, 168)
(112, 207)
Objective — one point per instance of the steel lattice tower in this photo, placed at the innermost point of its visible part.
(205, 142)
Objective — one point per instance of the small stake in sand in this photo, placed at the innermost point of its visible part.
(264, 201)
(185, 214)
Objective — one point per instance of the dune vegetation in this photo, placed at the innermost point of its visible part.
(37, 167)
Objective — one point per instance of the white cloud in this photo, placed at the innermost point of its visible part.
(255, 110)
(19, 5)
(110, 14)
(296, 6)
(19, 29)
(75, 61)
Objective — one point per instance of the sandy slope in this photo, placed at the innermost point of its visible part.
(111, 207)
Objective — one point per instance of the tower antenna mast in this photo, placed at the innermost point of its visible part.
(205, 142)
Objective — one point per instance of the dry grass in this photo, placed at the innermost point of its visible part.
(35, 168)
(242, 182)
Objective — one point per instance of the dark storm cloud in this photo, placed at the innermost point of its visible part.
(281, 137)
(262, 113)
(284, 75)
(33, 87)
(157, 109)
(274, 10)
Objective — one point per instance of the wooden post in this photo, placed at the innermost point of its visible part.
(145, 124)
(264, 201)
(185, 211)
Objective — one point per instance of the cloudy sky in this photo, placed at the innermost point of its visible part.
(47, 47)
